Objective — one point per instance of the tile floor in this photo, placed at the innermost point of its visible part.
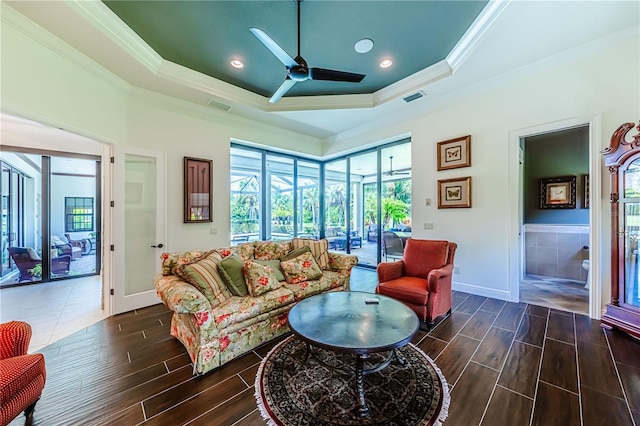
(54, 309)
(58, 309)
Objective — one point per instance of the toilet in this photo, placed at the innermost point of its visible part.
(585, 266)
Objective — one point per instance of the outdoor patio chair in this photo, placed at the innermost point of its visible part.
(26, 259)
(392, 245)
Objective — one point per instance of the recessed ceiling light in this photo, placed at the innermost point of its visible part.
(363, 46)
(386, 63)
(237, 63)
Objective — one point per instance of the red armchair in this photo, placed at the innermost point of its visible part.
(422, 279)
(22, 375)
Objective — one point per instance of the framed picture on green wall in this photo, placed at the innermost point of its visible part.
(558, 192)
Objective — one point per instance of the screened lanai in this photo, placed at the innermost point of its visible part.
(276, 196)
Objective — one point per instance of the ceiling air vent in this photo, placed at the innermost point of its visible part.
(413, 96)
(218, 105)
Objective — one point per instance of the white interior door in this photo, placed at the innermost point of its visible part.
(139, 227)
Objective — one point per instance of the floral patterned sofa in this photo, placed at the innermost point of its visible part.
(214, 323)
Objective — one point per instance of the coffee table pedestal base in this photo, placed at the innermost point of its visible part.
(359, 372)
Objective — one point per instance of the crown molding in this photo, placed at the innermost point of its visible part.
(470, 38)
(14, 20)
(102, 18)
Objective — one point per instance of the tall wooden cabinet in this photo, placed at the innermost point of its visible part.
(623, 159)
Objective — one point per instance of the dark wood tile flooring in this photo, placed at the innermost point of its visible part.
(506, 364)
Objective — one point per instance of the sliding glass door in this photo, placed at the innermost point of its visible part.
(273, 196)
(364, 207)
(50, 216)
(19, 223)
(359, 198)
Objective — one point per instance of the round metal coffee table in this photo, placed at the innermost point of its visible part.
(354, 322)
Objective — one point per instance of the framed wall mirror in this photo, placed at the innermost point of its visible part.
(198, 182)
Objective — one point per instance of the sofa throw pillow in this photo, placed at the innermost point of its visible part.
(319, 249)
(231, 271)
(295, 253)
(275, 265)
(203, 275)
(301, 268)
(260, 278)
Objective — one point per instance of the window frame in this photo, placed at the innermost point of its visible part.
(69, 218)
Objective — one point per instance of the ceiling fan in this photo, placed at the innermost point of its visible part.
(297, 69)
(392, 172)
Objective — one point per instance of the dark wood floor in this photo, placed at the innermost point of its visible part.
(506, 364)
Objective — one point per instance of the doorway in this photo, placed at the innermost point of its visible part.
(540, 235)
(50, 216)
(556, 219)
(377, 183)
(52, 185)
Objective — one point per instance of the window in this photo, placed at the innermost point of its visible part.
(78, 214)
(273, 196)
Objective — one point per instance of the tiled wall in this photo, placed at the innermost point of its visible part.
(556, 250)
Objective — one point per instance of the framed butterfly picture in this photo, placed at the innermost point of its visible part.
(454, 193)
(454, 153)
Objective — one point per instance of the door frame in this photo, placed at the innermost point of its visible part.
(516, 195)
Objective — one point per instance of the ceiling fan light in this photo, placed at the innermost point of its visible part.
(364, 46)
(237, 63)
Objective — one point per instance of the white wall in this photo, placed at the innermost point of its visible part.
(601, 81)
(596, 81)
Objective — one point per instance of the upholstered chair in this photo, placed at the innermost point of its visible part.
(422, 279)
(22, 375)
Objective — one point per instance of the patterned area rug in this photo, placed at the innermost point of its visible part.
(291, 392)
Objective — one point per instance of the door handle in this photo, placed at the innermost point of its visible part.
(158, 246)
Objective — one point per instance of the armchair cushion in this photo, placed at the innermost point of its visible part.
(22, 375)
(18, 372)
(409, 289)
(422, 256)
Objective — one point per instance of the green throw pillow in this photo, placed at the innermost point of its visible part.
(295, 253)
(275, 264)
(231, 270)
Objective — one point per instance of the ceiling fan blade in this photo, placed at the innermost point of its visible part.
(284, 88)
(333, 75)
(274, 47)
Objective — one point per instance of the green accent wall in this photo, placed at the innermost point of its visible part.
(562, 153)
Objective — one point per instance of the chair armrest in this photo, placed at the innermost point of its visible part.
(342, 262)
(388, 271)
(180, 296)
(14, 339)
(438, 276)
